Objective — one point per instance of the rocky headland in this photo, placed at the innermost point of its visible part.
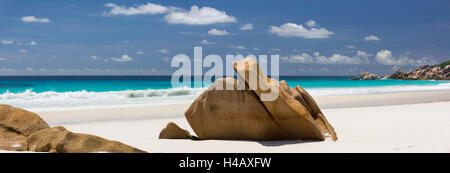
(426, 72)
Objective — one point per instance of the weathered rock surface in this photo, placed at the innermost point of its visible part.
(15, 125)
(366, 76)
(240, 113)
(21, 130)
(173, 131)
(425, 72)
(20, 120)
(231, 114)
(59, 140)
(10, 140)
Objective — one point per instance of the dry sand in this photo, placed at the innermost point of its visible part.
(393, 122)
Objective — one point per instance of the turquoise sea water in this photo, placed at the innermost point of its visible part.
(73, 92)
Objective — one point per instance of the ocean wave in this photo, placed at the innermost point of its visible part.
(50, 100)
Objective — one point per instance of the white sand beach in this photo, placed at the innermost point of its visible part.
(389, 122)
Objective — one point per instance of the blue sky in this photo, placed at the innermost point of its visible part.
(127, 37)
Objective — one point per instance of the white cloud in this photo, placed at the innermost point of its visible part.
(360, 58)
(94, 57)
(371, 38)
(32, 43)
(165, 59)
(275, 50)
(385, 57)
(23, 51)
(124, 58)
(7, 42)
(294, 30)
(206, 42)
(29, 19)
(199, 16)
(247, 26)
(238, 47)
(140, 52)
(217, 32)
(311, 23)
(350, 47)
(163, 51)
(299, 58)
(2, 59)
(148, 8)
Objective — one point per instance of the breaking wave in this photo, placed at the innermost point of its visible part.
(50, 100)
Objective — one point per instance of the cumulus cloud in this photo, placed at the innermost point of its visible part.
(32, 43)
(165, 59)
(2, 59)
(371, 38)
(164, 51)
(385, 57)
(206, 42)
(23, 51)
(350, 47)
(360, 58)
(139, 52)
(28, 19)
(294, 30)
(174, 15)
(311, 23)
(238, 47)
(7, 42)
(124, 58)
(94, 57)
(217, 32)
(247, 26)
(148, 8)
(199, 16)
(303, 58)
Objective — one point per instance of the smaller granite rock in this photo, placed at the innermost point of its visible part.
(59, 140)
(173, 131)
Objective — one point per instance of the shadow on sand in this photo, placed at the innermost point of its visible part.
(284, 142)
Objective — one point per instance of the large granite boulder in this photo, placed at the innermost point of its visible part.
(16, 125)
(231, 114)
(239, 113)
(173, 131)
(296, 113)
(59, 140)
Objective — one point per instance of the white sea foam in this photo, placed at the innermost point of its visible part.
(374, 90)
(50, 101)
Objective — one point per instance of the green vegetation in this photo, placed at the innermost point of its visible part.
(442, 65)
